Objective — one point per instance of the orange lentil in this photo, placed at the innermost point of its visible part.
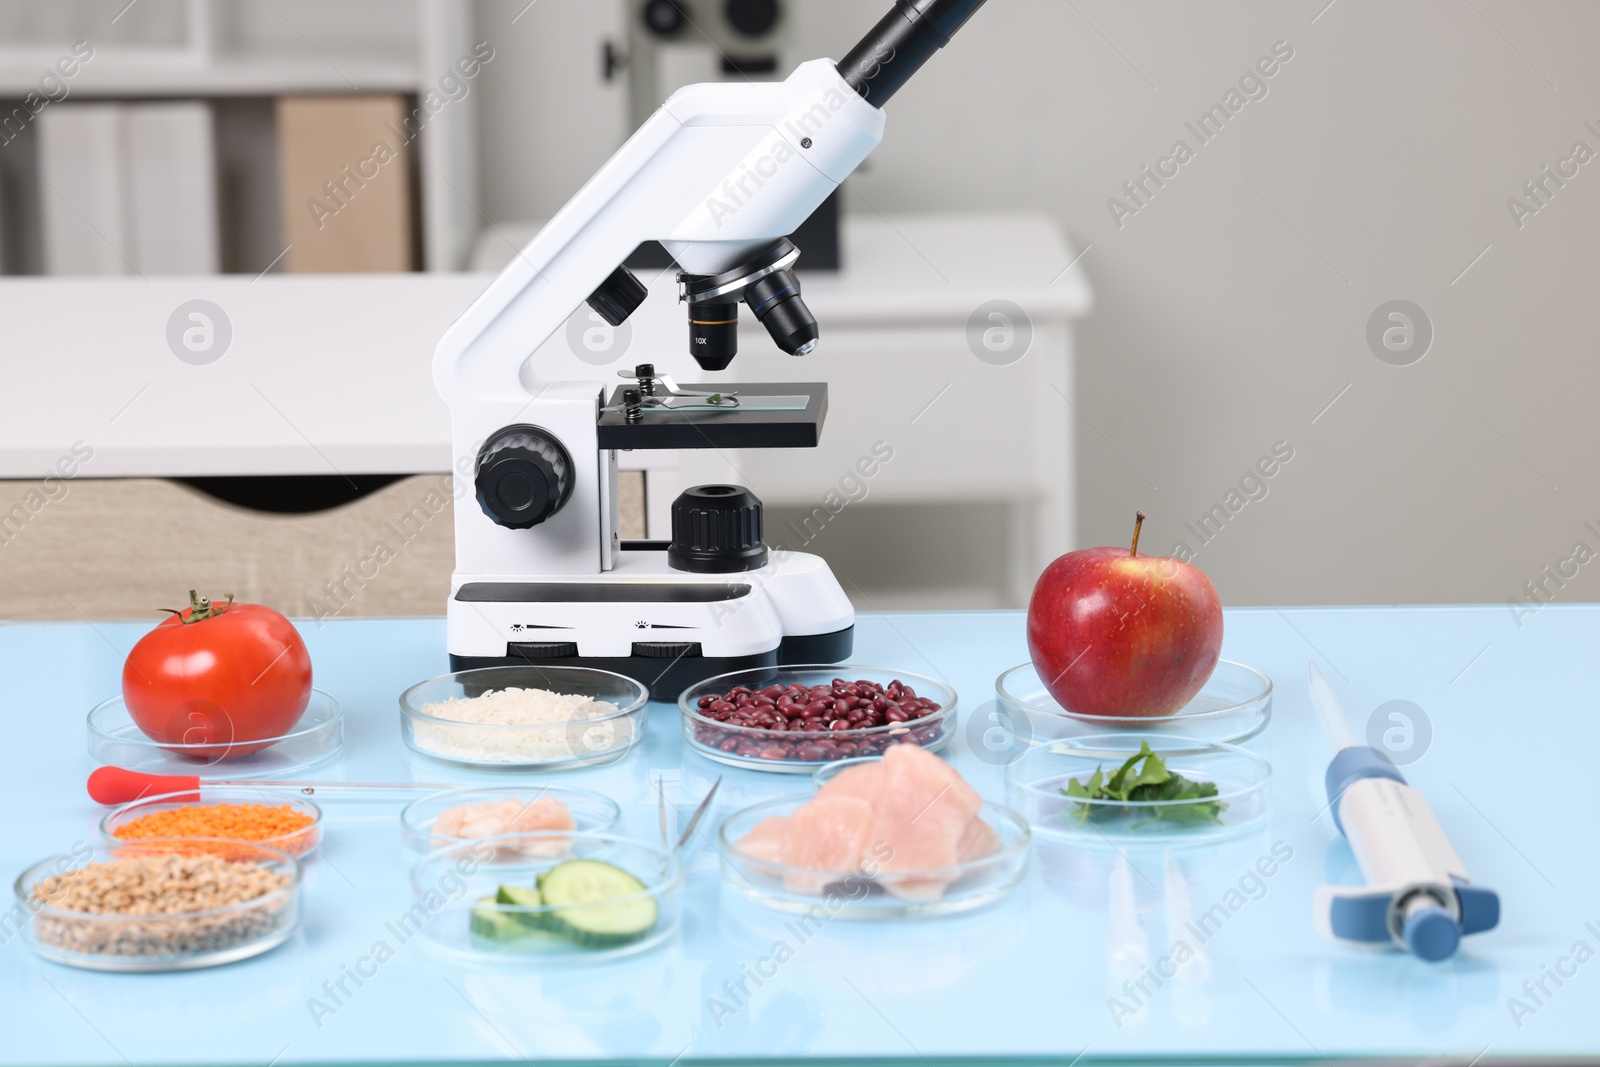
(236, 822)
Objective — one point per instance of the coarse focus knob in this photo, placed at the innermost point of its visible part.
(524, 476)
(716, 529)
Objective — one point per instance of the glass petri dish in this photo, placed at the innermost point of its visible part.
(299, 842)
(456, 891)
(1233, 706)
(167, 941)
(116, 740)
(801, 752)
(590, 811)
(862, 894)
(566, 741)
(1242, 804)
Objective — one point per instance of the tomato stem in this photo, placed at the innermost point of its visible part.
(1138, 522)
(202, 608)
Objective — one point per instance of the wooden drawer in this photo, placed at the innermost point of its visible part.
(126, 547)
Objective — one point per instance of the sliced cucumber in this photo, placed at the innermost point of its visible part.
(489, 922)
(522, 897)
(519, 896)
(597, 905)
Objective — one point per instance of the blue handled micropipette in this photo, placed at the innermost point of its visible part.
(1417, 893)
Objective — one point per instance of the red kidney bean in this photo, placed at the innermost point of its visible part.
(754, 719)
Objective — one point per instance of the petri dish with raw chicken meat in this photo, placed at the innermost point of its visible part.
(901, 835)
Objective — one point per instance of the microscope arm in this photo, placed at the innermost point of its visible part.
(720, 171)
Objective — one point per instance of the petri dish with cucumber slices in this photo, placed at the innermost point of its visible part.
(547, 898)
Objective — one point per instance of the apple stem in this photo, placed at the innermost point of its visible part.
(1138, 522)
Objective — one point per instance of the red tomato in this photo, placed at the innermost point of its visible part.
(223, 674)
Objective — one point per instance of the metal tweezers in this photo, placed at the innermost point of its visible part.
(694, 820)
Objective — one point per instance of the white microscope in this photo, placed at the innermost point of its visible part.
(719, 176)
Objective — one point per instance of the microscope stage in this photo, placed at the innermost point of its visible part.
(735, 427)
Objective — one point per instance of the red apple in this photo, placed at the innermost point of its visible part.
(1115, 633)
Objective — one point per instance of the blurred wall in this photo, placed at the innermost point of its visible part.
(1234, 301)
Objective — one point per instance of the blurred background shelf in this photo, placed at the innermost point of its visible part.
(239, 74)
(241, 60)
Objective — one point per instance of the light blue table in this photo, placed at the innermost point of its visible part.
(1514, 717)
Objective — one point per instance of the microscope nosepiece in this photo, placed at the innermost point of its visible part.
(766, 282)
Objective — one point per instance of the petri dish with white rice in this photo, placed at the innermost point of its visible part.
(524, 718)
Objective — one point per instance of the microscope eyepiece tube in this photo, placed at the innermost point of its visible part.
(901, 42)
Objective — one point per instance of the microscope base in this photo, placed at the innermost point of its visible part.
(666, 678)
(665, 627)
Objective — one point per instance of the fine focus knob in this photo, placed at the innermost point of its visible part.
(524, 477)
(716, 529)
(618, 296)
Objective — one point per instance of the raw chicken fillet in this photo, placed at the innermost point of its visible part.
(908, 812)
